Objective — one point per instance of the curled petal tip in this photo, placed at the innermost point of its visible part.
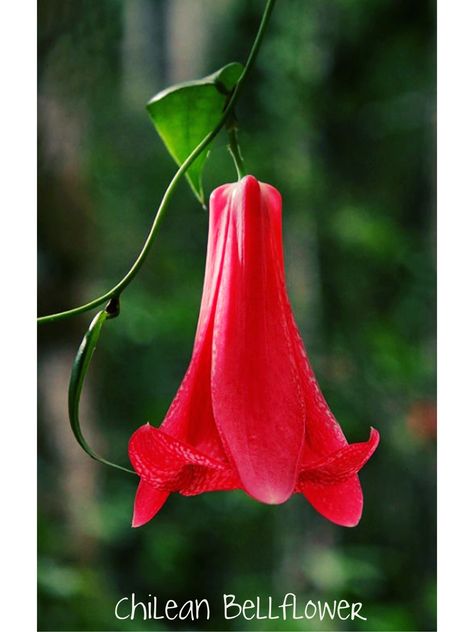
(270, 495)
(374, 433)
(341, 503)
(333, 487)
(148, 502)
(350, 524)
(374, 439)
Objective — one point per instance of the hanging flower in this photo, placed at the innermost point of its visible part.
(249, 413)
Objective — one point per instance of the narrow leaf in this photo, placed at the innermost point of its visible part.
(78, 374)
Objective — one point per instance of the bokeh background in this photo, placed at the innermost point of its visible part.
(339, 114)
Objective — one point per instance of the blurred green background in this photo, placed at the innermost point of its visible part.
(339, 115)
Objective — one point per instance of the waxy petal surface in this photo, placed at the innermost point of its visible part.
(342, 464)
(332, 486)
(341, 503)
(171, 465)
(148, 502)
(185, 454)
(323, 434)
(256, 393)
(249, 413)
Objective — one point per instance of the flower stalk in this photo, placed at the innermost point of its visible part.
(128, 278)
(234, 148)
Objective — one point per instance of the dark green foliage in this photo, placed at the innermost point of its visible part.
(186, 113)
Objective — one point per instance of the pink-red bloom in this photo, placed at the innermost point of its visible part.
(249, 413)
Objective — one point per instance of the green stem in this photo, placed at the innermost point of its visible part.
(118, 289)
(234, 150)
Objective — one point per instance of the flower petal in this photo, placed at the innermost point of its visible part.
(323, 433)
(332, 486)
(148, 502)
(342, 464)
(341, 503)
(171, 465)
(256, 395)
(190, 417)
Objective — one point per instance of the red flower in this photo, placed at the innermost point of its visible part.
(249, 413)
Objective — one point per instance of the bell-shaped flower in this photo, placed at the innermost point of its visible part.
(249, 413)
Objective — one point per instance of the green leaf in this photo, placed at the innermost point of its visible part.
(78, 374)
(185, 113)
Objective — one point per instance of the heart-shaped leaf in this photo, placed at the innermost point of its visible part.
(185, 113)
